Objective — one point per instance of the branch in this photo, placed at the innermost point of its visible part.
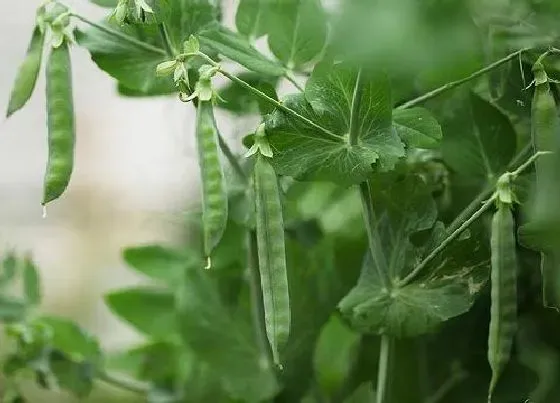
(124, 384)
(383, 368)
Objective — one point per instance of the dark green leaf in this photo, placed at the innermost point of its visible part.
(131, 57)
(252, 18)
(306, 153)
(481, 151)
(31, 282)
(11, 310)
(76, 377)
(241, 101)
(189, 17)
(150, 310)
(105, 3)
(445, 290)
(227, 345)
(69, 338)
(417, 127)
(298, 31)
(9, 268)
(159, 262)
(235, 47)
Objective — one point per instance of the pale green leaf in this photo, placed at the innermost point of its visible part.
(189, 17)
(417, 127)
(306, 153)
(251, 18)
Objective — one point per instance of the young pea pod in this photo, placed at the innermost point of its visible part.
(272, 255)
(503, 310)
(28, 72)
(60, 122)
(214, 195)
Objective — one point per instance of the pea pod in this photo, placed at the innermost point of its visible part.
(214, 195)
(28, 72)
(60, 122)
(272, 255)
(503, 310)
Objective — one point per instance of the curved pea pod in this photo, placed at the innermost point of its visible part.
(272, 256)
(503, 310)
(28, 72)
(60, 122)
(214, 195)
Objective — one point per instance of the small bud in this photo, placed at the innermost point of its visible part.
(191, 45)
(166, 68)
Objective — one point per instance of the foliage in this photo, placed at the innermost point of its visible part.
(347, 256)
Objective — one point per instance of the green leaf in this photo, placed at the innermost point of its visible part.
(128, 58)
(153, 92)
(189, 17)
(11, 310)
(235, 47)
(298, 31)
(9, 268)
(159, 262)
(69, 338)
(27, 74)
(417, 127)
(148, 309)
(240, 101)
(105, 3)
(222, 341)
(483, 150)
(306, 153)
(447, 287)
(252, 18)
(31, 282)
(76, 377)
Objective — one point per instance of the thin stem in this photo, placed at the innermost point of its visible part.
(434, 93)
(450, 238)
(354, 114)
(231, 159)
(372, 234)
(528, 163)
(125, 384)
(455, 378)
(257, 304)
(119, 35)
(270, 100)
(383, 368)
(166, 41)
(292, 79)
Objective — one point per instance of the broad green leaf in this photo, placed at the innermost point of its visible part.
(154, 92)
(225, 343)
(105, 3)
(76, 377)
(444, 290)
(298, 31)
(27, 74)
(159, 262)
(252, 18)
(31, 282)
(8, 268)
(306, 153)
(237, 48)
(478, 143)
(11, 309)
(148, 309)
(131, 57)
(69, 338)
(189, 17)
(417, 127)
(240, 101)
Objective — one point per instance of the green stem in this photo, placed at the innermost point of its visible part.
(434, 93)
(383, 368)
(372, 234)
(354, 114)
(119, 35)
(125, 384)
(454, 379)
(231, 159)
(166, 41)
(450, 238)
(270, 100)
(292, 79)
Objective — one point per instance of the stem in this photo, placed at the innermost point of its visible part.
(372, 234)
(125, 384)
(434, 93)
(450, 238)
(119, 35)
(450, 383)
(231, 159)
(354, 114)
(291, 79)
(165, 39)
(257, 304)
(270, 100)
(383, 368)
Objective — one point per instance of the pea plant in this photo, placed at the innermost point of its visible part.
(388, 232)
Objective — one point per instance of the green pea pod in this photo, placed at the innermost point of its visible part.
(503, 310)
(214, 195)
(272, 255)
(60, 121)
(545, 132)
(28, 72)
